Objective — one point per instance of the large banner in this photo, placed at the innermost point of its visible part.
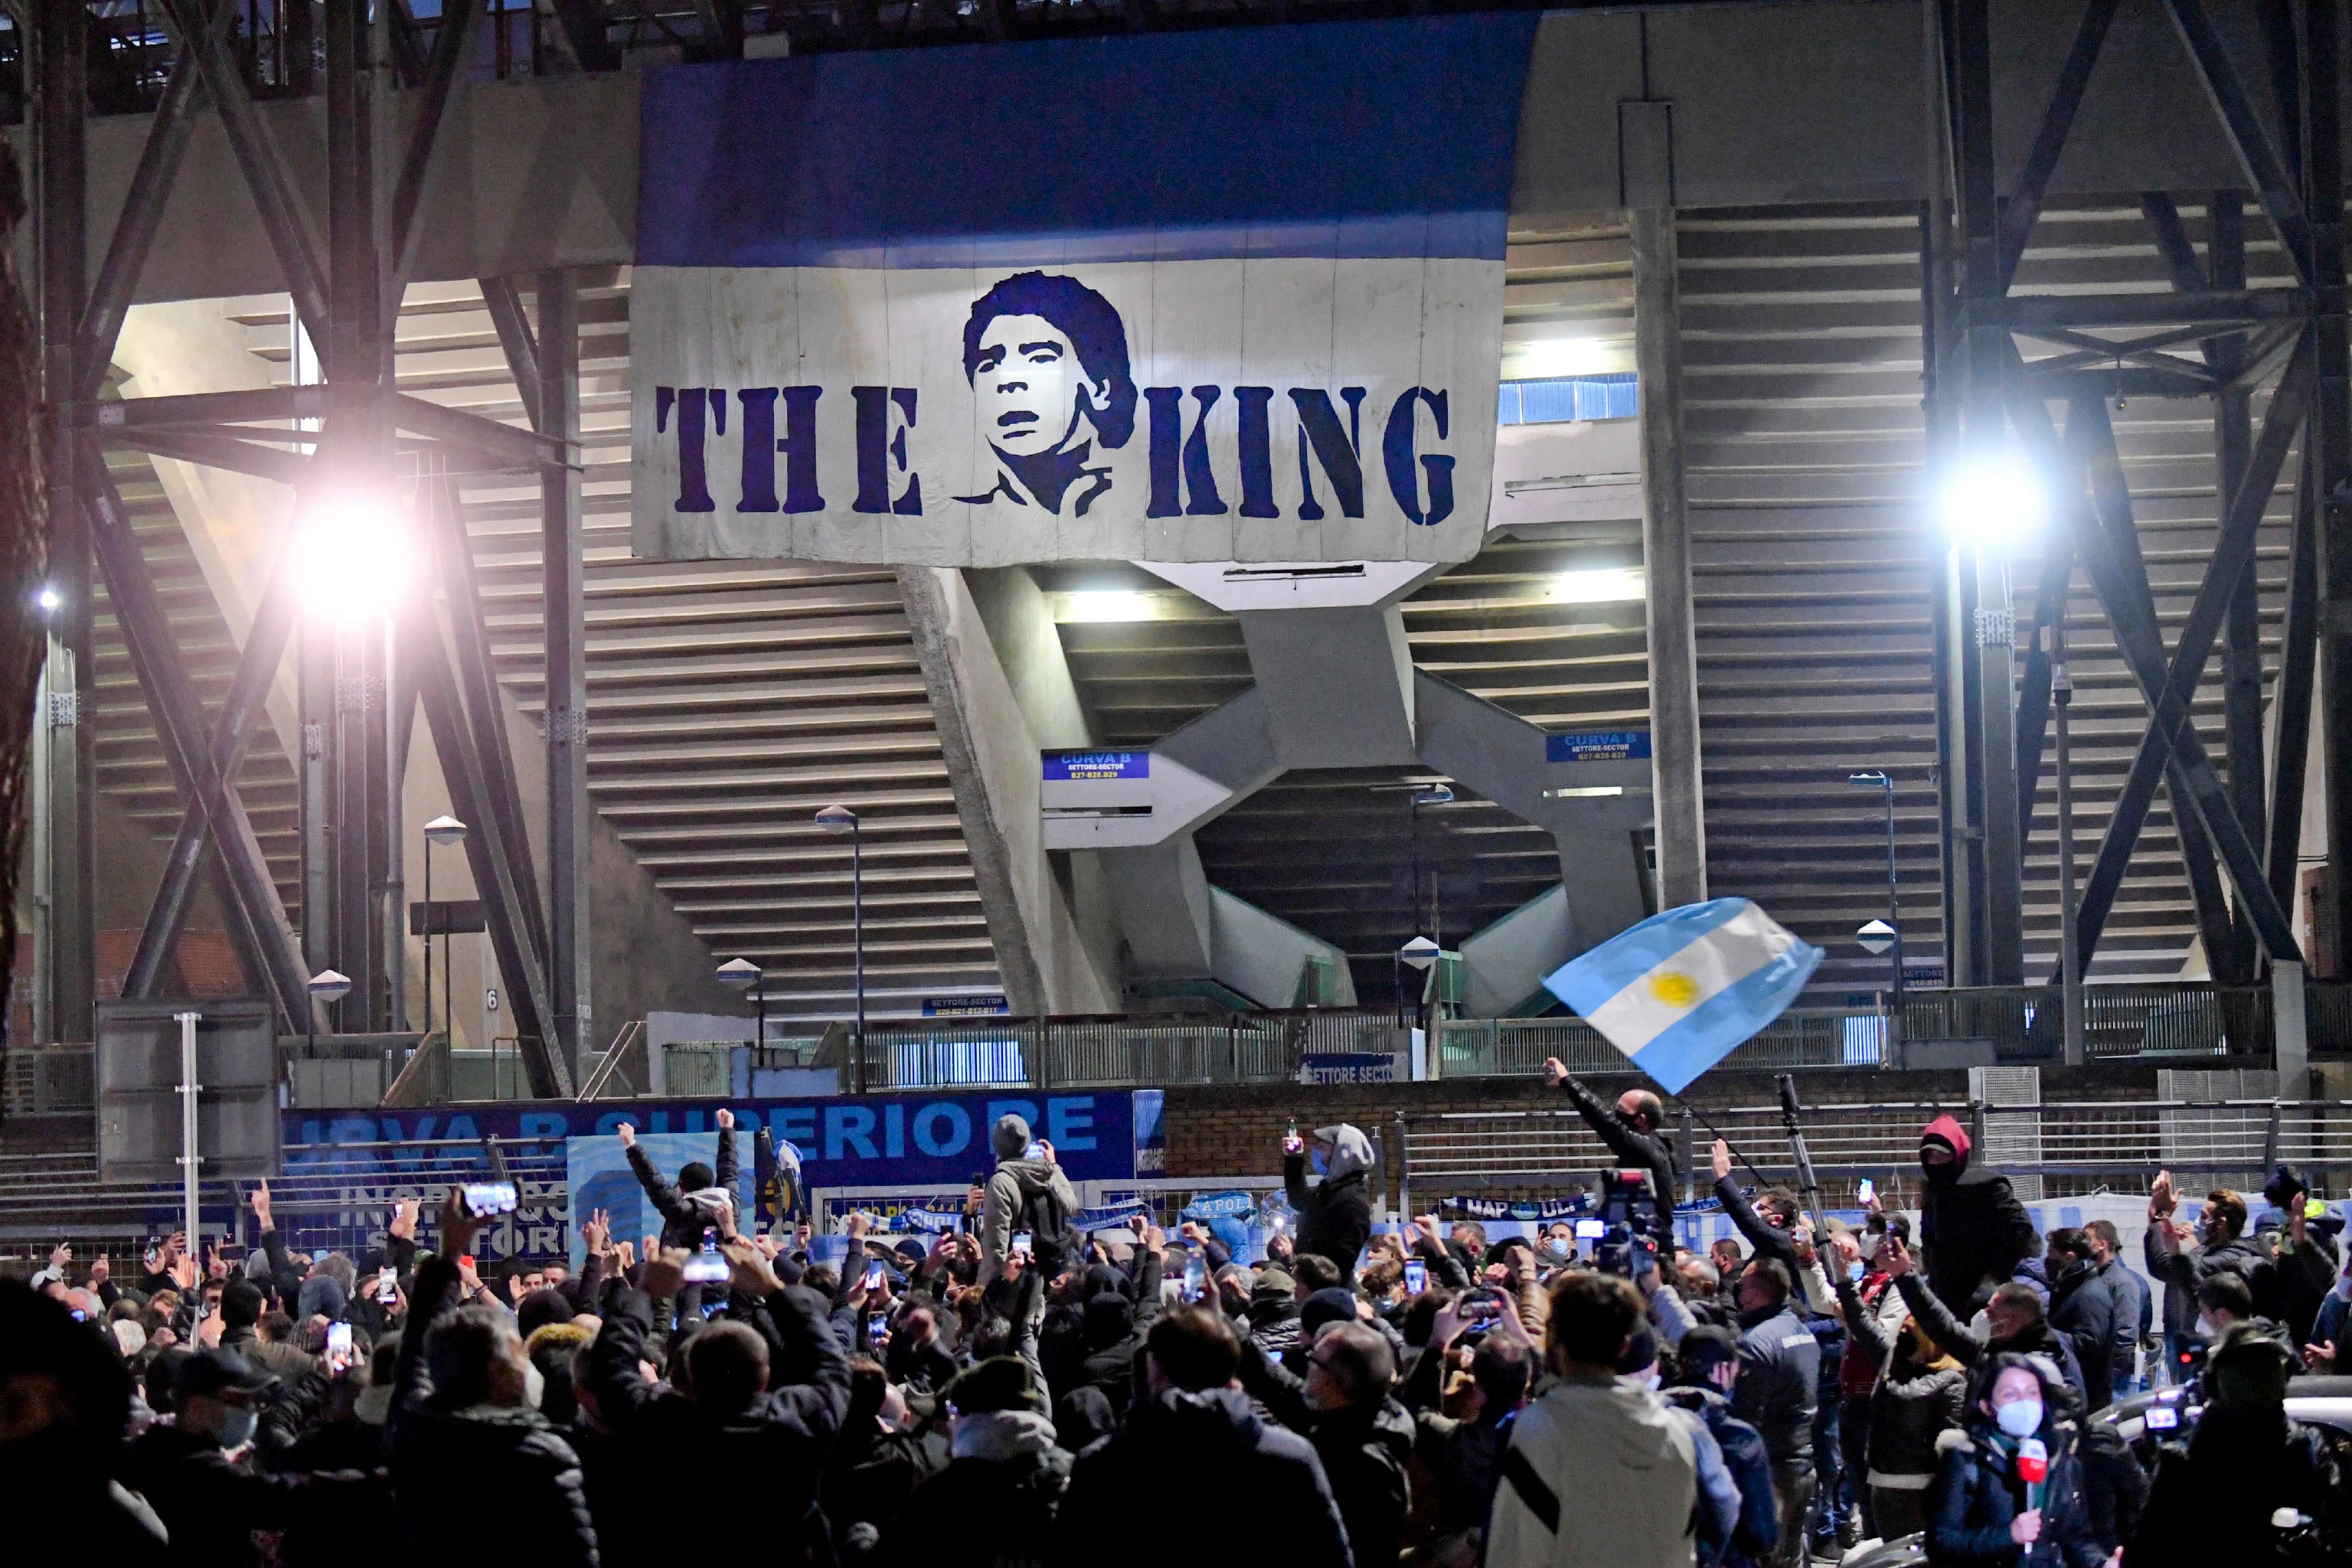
(1223, 296)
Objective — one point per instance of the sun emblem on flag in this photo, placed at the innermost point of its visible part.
(1674, 988)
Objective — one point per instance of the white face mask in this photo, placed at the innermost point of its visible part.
(2019, 1417)
(534, 1385)
(1648, 1382)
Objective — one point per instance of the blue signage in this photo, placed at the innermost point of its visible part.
(903, 1140)
(1599, 746)
(1065, 767)
(966, 1006)
(1347, 1066)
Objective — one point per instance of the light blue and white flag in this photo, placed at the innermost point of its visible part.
(1682, 989)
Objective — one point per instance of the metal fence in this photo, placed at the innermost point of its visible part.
(2177, 1018)
(1049, 1054)
(2124, 1143)
(1800, 1038)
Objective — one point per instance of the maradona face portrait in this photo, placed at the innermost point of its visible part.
(1047, 360)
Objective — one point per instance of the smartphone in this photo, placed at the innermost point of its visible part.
(1292, 1144)
(1196, 1277)
(1865, 1192)
(339, 1347)
(1035, 1151)
(1021, 1242)
(2161, 1418)
(1416, 1276)
(874, 1277)
(483, 1199)
(878, 1330)
(706, 1267)
(387, 1286)
(1592, 1230)
(1479, 1308)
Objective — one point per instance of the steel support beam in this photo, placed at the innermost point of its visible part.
(248, 693)
(287, 468)
(490, 854)
(2049, 599)
(2290, 699)
(450, 47)
(2241, 644)
(179, 724)
(2118, 574)
(1675, 769)
(564, 617)
(2169, 731)
(2024, 208)
(2257, 155)
(142, 215)
(2331, 442)
(2030, 313)
(60, 42)
(500, 298)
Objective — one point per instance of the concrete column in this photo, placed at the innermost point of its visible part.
(1666, 564)
(995, 681)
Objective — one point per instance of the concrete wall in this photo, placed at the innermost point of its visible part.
(1051, 959)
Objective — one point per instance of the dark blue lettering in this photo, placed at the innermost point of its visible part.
(799, 448)
(878, 451)
(758, 491)
(1200, 498)
(1249, 403)
(1397, 456)
(1341, 453)
(693, 474)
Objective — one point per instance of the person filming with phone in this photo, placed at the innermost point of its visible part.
(1335, 1214)
(1026, 1191)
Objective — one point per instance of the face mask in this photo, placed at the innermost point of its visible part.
(1322, 1167)
(1854, 1269)
(534, 1385)
(1648, 1382)
(235, 1429)
(2020, 1418)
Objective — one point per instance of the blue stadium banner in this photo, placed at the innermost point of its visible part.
(1182, 295)
(989, 1006)
(1063, 767)
(1598, 746)
(907, 1140)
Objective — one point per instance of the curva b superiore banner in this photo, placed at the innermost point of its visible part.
(1227, 295)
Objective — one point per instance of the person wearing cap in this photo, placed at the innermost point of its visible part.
(1344, 1407)
(2305, 1261)
(196, 1476)
(1028, 1191)
(2008, 1492)
(1003, 1483)
(1709, 1359)
(1973, 1232)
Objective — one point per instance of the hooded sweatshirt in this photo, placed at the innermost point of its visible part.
(1335, 1216)
(1972, 1230)
(1015, 1189)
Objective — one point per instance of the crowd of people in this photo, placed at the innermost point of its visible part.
(1017, 1394)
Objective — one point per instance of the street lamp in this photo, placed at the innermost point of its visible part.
(1993, 500)
(1886, 782)
(1435, 795)
(841, 819)
(1416, 956)
(741, 974)
(328, 986)
(444, 829)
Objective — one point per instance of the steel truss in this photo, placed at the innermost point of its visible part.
(354, 433)
(2212, 337)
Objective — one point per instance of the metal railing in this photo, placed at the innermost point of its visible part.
(2124, 1142)
(49, 1080)
(1800, 1038)
(2141, 1018)
(1103, 1053)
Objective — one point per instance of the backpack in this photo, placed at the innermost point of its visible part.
(1056, 1243)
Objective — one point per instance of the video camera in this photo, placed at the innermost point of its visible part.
(1632, 1225)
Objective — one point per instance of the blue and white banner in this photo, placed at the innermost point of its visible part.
(1225, 295)
(1685, 988)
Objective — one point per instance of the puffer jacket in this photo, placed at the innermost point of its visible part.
(1976, 1494)
(481, 1478)
(1912, 1407)
(1596, 1474)
(1335, 1215)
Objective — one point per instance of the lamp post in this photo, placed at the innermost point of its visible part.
(328, 986)
(442, 829)
(741, 974)
(1886, 782)
(841, 819)
(1435, 795)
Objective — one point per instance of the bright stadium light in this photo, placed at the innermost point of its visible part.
(1597, 585)
(1993, 501)
(1107, 605)
(354, 557)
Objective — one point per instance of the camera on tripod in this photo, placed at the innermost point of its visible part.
(1632, 1223)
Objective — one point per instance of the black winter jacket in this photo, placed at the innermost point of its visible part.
(1217, 1443)
(212, 1506)
(479, 1481)
(1967, 1349)
(1335, 1216)
(1972, 1229)
(682, 1222)
(1976, 1494)
(2083, 1308)
(1364, 1450)
(2214, 1495)
(773, 1450)
(1759, 1530)
(1779, 1384)
(1635, 1149)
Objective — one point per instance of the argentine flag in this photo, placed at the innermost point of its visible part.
(1679, 992)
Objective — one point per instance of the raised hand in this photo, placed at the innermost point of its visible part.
(626, 1134)
(726, 1119)
(665, 1273)
(598, 1231)
(261, 1206)
(749, 1271)
(1554, 1071)
(458, 1228)
(404, 1218)
(1721, 1154)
